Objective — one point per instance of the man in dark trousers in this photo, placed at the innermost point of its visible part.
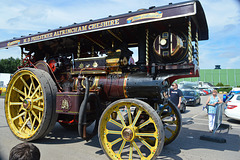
(175, 96)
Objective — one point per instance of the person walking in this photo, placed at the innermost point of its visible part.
(212, 104)
(175, 96)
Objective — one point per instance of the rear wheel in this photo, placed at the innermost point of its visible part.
(172, 121)
(123, 135)
(30, 107)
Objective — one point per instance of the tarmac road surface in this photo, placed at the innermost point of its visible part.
(63, 144)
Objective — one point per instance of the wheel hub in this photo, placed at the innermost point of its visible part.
(27, 103)
(127, 134)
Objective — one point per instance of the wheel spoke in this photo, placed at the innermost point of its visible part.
(170, 122)
(20, 109)
(34, 120)
(30, 116)
(35, 91)
(38, 108)
(38, 119)
(130, 151)
(25, 91)
(129, 115)
(116, 141)
(25, 83)
(30, 89)
(25, 117)
(34, 87)
(112, 132)
(145, 143)
(15, 103)
(116, 123)
(136, 118)
(138, 150)
(166, 138)
(38, 94)
(13, 119)
(24, 124)
(145, 134)
(121, 118)
(121, 148)
(17, 90)
(170, 130)
(37, 99)
(144, 124)
(22, 99)
(166, 115)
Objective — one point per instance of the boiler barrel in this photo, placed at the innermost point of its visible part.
(136, 85)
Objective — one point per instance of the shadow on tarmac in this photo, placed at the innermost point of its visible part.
(60, 135)
(188, 139)
(233, 121)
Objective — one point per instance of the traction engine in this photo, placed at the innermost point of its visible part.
(108, 77)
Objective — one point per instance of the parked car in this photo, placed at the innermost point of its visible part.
(205, 91)
(208, 90)
(229, 98)
(233, 107)
(192, 97)
(233, 91)
(201, 92)
(183, 106)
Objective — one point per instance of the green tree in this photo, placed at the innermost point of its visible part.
(220, 84)
(9, 65)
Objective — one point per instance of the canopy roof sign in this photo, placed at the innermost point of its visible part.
(170, 12)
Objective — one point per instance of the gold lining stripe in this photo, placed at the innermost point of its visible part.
(65, 111)
(124, 85)
(97, 80)
(69, 95)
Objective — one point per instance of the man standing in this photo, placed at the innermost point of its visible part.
(175, 95)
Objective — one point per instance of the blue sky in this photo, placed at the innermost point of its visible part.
(23, 17)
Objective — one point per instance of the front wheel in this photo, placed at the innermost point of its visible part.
(125, 135)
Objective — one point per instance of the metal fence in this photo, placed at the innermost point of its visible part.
(218, 117)
(214, 76)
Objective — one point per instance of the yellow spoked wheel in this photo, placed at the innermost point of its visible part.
(172, 121)
(30, 104)
(122, 133)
